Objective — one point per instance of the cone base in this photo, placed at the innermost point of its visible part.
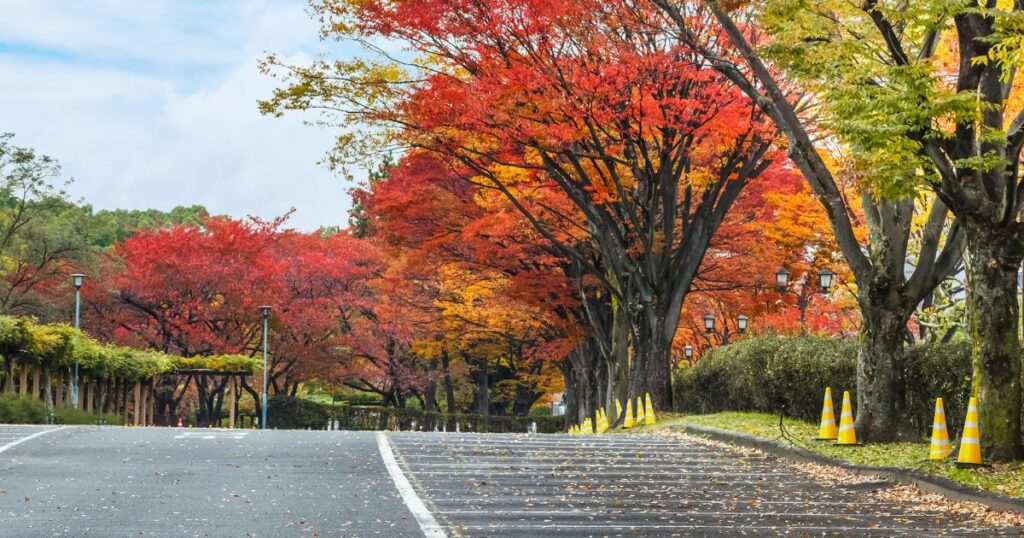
(824, 438)
(849, 444)
(964, 465)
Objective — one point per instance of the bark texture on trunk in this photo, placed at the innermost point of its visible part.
(880, 376)
(996, 356)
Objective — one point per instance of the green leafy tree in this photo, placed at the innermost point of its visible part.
(922, 93)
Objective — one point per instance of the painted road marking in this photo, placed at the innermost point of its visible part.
(211, 434)
(429, 525)
(18, 441)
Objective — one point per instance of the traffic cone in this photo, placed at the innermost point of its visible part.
(628, 421)
(618, 409)
(587, 429)
(648, 410)
(847, 435)
(602, 421)
(940, 448)
(970, 441)
(639, 411)
(179, 422)
(827, 431)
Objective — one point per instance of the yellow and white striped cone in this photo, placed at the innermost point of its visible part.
(618, 409)
(847, 435)
(587, 428)
(940, 448)
(602, 421)
(970, 441)
(639, 411)
(827, 431)
(628, 421)
(648, 410)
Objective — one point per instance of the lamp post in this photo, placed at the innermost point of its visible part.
(688, 353)
(265, 311)
(77, 279)
(709, 323)
(826, 279)
(741, 323)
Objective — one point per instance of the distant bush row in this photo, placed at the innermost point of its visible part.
(286, 412)
(776, 374)
(25, 410)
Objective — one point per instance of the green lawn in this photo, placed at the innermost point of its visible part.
(1003, 478)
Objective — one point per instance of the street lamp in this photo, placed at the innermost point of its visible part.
(709, 323)
(741, 323)
(825, 278)
(265, 311)
(77, 279)
(781, 278)
(688, 352)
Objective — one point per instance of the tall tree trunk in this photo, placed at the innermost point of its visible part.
(481, 398)
(992, 260)
(880, 369)
(47, 390)
(430, 400)
(449, 387)
(652, 359)
(620, 358)
(569, 398)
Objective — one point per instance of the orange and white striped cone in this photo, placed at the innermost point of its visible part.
(847, 434)
(940, 448)
(827, 430)
(628, 421)
(970, 441)
(639, 411)
(648, 410)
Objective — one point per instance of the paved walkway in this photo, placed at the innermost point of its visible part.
(624, 485)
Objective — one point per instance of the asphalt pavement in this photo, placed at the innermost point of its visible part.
(114, 481)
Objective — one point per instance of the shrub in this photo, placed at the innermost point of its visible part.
(18, 410)
(290, 413)
(391, 418)
(23, 410)
(70, 415)
(776, 374)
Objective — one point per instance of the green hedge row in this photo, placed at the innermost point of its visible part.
(286, 412)
(24, 410)
(59, 346)
(776, 374)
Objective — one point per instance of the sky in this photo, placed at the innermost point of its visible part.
(152, 104)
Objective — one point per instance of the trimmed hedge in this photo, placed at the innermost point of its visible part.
(391, 418)
(776, 374)
(290, 413)
(286, 412)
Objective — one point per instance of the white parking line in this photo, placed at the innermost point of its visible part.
(17, 442)
(211, 434)
(429, 525)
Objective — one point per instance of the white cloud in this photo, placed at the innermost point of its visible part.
(147, 105)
